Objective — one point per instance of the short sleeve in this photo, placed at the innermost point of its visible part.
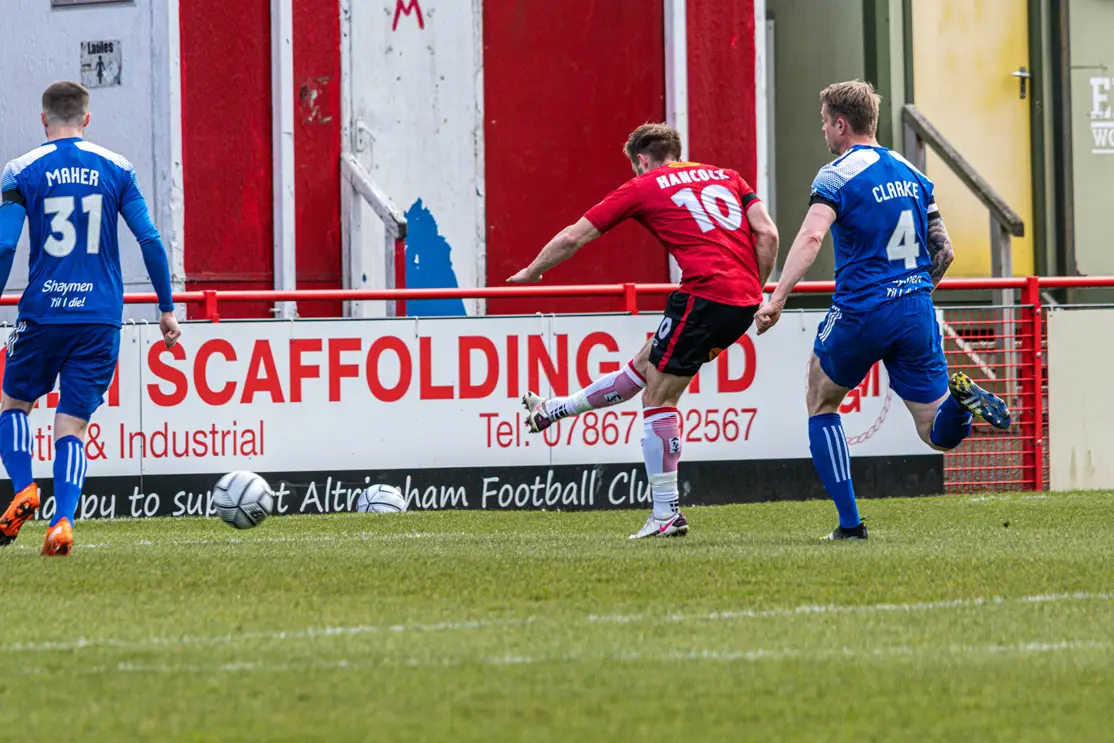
(9, 186)
(747, 196)
(826, 188)
(930, 198)
(621, 204)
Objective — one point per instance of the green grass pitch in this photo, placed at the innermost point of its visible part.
(948, 625)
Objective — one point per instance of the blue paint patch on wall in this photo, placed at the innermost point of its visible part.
(429, 265)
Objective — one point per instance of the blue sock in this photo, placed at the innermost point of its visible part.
(15, 447)
(832, 458)
(69, 476)
(951, 425)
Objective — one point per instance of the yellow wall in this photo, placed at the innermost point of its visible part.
(963, 54)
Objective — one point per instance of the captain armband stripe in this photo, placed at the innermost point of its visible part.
(749, 199)
(933, 212)
(817, 198)
(15, 197)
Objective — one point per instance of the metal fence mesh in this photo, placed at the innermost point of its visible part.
(1001, 349)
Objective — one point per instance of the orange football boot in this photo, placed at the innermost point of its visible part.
(21, 510)
(59, 540)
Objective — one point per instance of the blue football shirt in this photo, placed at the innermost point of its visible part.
(882, 205)
(72, 193)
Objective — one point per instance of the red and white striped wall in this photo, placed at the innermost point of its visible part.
(492, 123)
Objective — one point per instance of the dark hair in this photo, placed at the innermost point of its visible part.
(65, 103)
(659, 142)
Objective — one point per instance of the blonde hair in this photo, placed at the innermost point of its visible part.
(856, 102)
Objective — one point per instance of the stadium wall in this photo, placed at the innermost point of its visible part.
(491, 129)
(1081, 420)
(322, 409)
(138, 118)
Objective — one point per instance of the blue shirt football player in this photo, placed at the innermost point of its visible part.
(71, 192)
(891, 249)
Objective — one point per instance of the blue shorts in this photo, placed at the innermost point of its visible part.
(903, 333)
(82, 356)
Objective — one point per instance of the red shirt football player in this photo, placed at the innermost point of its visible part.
(725, 243)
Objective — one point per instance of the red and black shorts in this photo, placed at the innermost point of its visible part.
(695, 331)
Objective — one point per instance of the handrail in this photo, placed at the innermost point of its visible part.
(629, 292)
(998, 207)
(356, 268)
(391, 215)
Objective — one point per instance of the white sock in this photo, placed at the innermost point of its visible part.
(661, 451)
(610, 389)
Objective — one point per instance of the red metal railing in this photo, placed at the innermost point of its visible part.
(1001, 348)
(211, 299)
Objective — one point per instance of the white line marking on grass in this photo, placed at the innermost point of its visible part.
(311, 633)
(691, 656)
(989, 498)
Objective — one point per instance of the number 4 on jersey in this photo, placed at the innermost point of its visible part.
(903, 245)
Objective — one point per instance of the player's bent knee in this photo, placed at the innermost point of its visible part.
(68, 425)
(663, 390)
(11, 403)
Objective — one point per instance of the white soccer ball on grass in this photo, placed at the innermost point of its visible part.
(381, 499)
(243, 499)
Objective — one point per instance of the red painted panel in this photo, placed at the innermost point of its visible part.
(721, 84)
(562, 90)
(317, 150)
(226, 147)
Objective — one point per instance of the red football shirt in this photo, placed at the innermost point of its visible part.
(698, 212)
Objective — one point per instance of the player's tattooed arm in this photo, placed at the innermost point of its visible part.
(939, 250)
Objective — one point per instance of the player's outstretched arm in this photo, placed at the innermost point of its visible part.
(765, 240)
(562, 247)
(13, 213)
(801, 257)
(12, 216)
(138, 219)
(939, 249)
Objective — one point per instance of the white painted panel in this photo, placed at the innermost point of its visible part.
(1080, 410)
(40, 45)
(415, 80)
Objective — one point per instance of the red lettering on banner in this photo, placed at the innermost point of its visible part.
(537, 355)
(200, 372)
(300, 371)
(727, 383)
(428, 390)
(262, 360)
(468, 344)
(405, 8)
(167, 373)
(388, 343)
(854, 401)
(591, 341)
(337, 370)
(512, 367)
(114, 388)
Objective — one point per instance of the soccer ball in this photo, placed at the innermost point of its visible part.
(381, 499)
(243, 499)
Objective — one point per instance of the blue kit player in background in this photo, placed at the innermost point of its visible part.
(71, 192)
(891, 249)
